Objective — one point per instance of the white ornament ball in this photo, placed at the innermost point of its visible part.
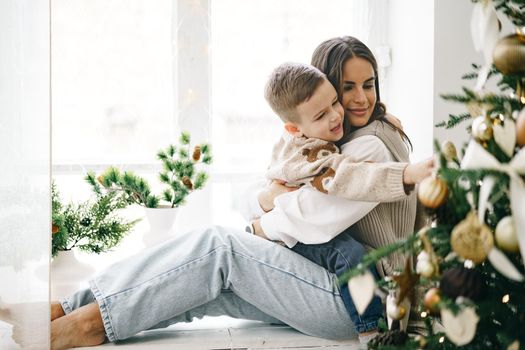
(424, 266)
(481, 129)
(394, 311)
(506, 237)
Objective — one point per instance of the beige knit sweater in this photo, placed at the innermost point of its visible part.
(389, 222)
(301, 160)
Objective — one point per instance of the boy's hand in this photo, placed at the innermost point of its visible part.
(257, 228)
(275, 189)
(414, 173)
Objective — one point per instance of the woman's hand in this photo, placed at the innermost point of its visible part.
(276, 188)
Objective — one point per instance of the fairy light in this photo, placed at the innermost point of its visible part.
(442, 339)
(469, 264)
(505, 299)
(424, 314)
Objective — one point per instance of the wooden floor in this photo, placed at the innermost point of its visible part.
(222, 333)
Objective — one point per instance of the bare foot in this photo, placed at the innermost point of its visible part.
(56, 310)
(82, 327)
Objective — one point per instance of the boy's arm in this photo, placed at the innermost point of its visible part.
(312, 217)
(319, 164)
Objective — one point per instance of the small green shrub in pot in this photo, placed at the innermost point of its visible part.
(92, 226)
(179, 174)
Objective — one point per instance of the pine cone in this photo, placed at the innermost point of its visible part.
(388, 338)
(460, 281)
(100, 179)
(196, 153)
(187, 182)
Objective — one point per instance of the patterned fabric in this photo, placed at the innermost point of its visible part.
(317, 163)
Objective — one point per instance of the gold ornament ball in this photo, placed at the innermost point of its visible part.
(471, 239)
(421, 340)
(432, 299)
(509, 54)
(520, 128)
(432, 192)
(481, 129)
(506, 237)
(449, 151)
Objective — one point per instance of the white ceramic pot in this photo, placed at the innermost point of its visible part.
(161, 221)
(68, 274)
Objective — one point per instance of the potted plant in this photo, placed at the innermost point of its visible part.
(180, 176)
(92, 226)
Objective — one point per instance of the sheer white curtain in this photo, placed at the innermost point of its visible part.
(24, 179)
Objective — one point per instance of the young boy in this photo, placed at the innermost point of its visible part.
(305, 155)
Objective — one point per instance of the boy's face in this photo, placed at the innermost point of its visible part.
(321, 116)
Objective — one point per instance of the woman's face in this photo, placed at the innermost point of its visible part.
(359, 93)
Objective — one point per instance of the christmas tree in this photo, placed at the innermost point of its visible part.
(468, 287)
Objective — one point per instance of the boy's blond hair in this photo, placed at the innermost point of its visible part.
(289, 85)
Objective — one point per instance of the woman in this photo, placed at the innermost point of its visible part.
(371, 136)
(352, 69)
(211, 272)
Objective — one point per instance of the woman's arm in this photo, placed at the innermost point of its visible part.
(312, 217)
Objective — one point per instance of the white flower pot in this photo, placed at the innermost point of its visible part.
(161, 221)
(68, 274)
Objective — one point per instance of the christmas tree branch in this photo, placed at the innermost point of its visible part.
(375, 255)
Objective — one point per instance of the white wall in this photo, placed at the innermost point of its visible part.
(410, 76)
(453, 55)
(431, 49)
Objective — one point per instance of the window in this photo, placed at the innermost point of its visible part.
(125, 71)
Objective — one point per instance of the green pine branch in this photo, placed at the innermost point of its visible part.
(375, 255)
(453, 120)
(180, 174)
(93, 225)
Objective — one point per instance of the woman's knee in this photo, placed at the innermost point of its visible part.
(212, 238)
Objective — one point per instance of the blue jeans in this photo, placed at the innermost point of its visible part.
(212, 272)
(339, 255)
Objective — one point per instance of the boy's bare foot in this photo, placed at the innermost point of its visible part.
(56, 310)
(82, 327)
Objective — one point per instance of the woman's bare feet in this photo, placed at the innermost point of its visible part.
(56, 310)
(82, 327)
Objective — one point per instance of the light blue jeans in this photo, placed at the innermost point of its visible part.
(213, 272)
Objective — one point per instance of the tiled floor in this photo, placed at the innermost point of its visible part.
(222, 333)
